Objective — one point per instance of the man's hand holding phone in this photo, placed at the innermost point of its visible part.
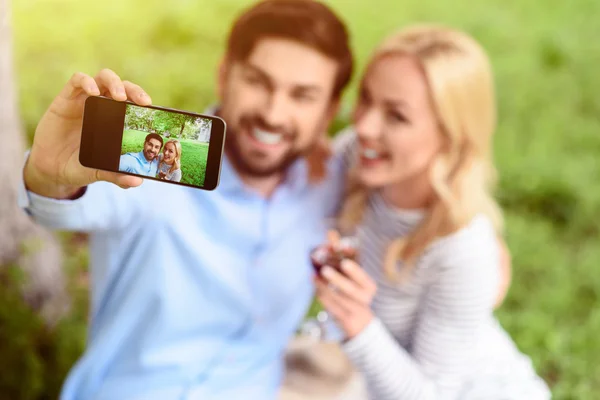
(53, 168)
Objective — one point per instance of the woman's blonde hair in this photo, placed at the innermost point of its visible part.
(460, 82)
(177, 161)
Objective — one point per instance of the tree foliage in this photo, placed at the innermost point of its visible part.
(169, 124)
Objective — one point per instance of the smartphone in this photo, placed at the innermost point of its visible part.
(153, 142)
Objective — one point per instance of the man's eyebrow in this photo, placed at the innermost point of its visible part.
(257, 70)
(297, 87)
(308, 88)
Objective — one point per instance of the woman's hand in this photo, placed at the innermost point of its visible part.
(347, 297)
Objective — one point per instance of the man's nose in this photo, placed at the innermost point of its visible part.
(278, 110)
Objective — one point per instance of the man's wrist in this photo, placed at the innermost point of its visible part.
(38, 184)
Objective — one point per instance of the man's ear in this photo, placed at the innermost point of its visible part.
(330, 114)
(222, 75)
(334, 109)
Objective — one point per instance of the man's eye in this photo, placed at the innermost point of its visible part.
(304, 98)
(253, 80)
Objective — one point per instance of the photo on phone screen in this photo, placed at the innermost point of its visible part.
(152, 142)
(165, 145)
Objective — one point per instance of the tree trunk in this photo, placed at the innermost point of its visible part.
(23, 243)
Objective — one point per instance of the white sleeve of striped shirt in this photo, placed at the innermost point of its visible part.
(457, 304)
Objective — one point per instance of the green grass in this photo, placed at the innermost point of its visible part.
(193, 155)
(545, 57)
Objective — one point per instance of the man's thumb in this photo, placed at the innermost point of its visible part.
(122, 180)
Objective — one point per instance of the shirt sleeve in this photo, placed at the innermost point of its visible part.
(102, 206)
(125, 163)
(176, 177)
(455, 309)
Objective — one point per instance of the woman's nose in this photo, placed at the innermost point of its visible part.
(368, 124)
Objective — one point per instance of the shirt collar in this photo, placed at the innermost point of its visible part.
(296, 177)
(230, 180)
(141, 157)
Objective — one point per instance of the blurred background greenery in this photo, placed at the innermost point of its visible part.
(545, 57)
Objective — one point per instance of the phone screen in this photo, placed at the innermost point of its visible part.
(153, 142)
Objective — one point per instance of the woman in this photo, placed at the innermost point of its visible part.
(417, 309)
(169, 162)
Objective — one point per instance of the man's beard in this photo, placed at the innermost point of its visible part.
(240, 159)
(149, 156)
(237, 157)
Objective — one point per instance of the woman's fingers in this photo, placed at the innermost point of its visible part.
(334, 303)
(339, 281)
(335, 309)
(358, 275)
(347, 286)
(333, 237)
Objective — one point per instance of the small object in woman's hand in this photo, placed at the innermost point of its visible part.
(328, 254)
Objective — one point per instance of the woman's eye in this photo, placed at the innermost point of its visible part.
(396, 117)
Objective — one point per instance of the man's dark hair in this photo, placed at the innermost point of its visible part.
(308, 22)
(154, 136)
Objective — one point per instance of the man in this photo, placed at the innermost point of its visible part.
(206, 314)
(144, 162)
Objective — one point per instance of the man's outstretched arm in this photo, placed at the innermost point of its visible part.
(55, 187)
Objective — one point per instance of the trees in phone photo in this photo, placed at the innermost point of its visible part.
(204, 128)
(170, 125)
(138, 118)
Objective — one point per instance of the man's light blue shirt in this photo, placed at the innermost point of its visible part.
(194, 294)
(137, 163)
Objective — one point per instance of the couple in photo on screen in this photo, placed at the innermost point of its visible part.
(150, 161)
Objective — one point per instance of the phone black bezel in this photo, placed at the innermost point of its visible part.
(90, 139)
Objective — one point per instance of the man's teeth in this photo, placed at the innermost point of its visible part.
(267, 137)
(371, 154)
